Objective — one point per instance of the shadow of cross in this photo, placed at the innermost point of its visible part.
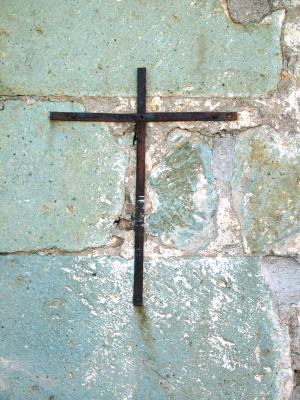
(141, 117)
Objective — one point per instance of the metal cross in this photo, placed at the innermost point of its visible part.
(141, 117)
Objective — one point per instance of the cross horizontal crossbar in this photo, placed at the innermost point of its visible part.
(143, 117)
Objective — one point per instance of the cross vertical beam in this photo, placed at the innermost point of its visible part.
(140, 135)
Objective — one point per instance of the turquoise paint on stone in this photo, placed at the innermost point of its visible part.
(265, 187)
(61, 184)
(187, 202)
(69, 331)
(80, 48)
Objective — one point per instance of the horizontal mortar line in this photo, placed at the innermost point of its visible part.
(143, 117)
(66, 97)
(88, 251)
(55, 251)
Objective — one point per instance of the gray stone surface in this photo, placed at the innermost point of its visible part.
(283, 276)
(69, 330)
(246, 11)
(61, 184)
(296, 394)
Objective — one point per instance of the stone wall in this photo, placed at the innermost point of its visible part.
(222, 274)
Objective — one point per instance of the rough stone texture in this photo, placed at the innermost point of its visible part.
(191, 48)
(61, 184)
(245, 11)
(185, 197)
(68, 330)
(93, 48)
(283, 276)
(296, 394)
(266, 187)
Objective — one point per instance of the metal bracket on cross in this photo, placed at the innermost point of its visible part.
(141, 117)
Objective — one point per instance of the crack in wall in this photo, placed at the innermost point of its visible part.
(56, 251)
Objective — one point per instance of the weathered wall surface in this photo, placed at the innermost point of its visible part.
(98, 346)
(222, 288)
(106, 42)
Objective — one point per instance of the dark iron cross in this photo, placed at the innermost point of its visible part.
(141, 117)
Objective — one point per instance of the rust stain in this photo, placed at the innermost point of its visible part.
(70, 208)
(46, 208)
(33, 389)
(20, 279)
(38, 29)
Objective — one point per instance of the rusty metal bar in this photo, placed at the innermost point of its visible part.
(140, 190)
(143, 116)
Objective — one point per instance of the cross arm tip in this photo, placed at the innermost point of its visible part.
(53, 116)
(234, 116)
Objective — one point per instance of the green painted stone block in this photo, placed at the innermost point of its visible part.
(61, 184)
(266, 188)
(93, 47)
(183, 214)
(69, 330)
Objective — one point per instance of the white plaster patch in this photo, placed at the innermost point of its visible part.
(286, 146)
(127, 248)
(200, 195)
(291, 35)
(293, 102)
(228, 238)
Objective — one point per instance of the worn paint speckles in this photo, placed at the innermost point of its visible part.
(69, 330)
(266, 187)
(93, 48)
(61, 183)
(183, 214)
